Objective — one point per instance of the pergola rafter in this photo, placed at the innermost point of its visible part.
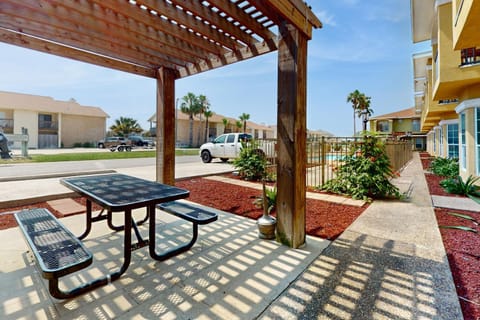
(171, 39)
(188, 36)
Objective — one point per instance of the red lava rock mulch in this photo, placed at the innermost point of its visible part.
(8, 221)
(323, 219)
(462, 247)
(463, 252)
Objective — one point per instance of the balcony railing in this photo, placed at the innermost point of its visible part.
(48, 125)
(470, 56)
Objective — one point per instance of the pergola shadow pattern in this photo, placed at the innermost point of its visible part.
(228, 274)
(365, 277)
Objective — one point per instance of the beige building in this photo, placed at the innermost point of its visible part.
(216, 127)
(50, 123)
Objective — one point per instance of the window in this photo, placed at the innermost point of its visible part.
(452, 140)
(463, 154)
(440, 141)
(231, 138)
(416, 125)
(45, 121)
(383, 126)
(434, 141)
(221, 139)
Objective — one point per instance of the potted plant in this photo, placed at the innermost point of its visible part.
(267, 223)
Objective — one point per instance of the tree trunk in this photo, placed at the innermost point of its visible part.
(190, 138)
(354, 126)
(206, 131)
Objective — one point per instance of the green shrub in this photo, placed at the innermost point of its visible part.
(88, 145)
(444, 167)
(251, 163)
(365, 173)
(458, 186)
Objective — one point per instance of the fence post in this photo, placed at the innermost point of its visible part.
(25, 142)
(322, 160)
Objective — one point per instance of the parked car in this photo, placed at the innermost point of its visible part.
(140, 141)
(228, 146)
(110, 142)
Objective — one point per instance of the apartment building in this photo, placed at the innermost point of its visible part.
(447, 79)
(217, 125)
(400, 125)
(50, 123)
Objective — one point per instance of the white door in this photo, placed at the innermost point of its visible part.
(218, 149)
(230, 146)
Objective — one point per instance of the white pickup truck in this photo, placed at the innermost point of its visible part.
(228, 146)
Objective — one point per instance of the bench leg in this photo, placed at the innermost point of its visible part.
(88, 226)
(120, 228)
(56, 292)
(172, 252)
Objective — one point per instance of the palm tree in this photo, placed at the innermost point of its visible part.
(364, 110)
(239, 125)
(354, 98)
(190, 106)
(207, 114)
(226, 122)
(125, 126)
(244, 117)
(204, 106)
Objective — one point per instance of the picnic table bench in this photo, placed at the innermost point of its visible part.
(57, 251)
(196, 214)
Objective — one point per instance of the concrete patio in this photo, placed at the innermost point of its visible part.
(229, 274)
(389, 264)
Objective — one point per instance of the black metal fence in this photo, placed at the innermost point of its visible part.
(326, 154)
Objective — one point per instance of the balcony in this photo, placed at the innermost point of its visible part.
(6, 125)
(47, 126)
(470, 56)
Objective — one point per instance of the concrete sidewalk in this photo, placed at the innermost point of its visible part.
(389, 264)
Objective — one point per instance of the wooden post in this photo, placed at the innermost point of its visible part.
(291, 121)
(166, 126)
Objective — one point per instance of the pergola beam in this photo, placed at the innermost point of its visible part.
(291, 136)
(294, 11)
(34, 43)
(166, 126)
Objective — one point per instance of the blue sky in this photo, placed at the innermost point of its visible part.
(364, 45)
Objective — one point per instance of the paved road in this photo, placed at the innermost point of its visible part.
(17, 186)
(18, 170)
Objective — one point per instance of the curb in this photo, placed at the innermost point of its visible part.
(55, 175)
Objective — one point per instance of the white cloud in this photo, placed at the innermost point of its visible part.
(326, 18)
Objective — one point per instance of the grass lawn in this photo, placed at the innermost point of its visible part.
(77, 156)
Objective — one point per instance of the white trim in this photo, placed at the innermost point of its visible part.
(419, 93)
(437, 128)
(467, 104)
(420, 78)
(439, 3)
(477, 169)
(428, 67)
(449, 121)
(420, 55)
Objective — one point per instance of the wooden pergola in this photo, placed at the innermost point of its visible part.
(171, 39)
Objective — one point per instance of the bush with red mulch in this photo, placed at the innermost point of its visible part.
(462, 248)
(323, 219)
